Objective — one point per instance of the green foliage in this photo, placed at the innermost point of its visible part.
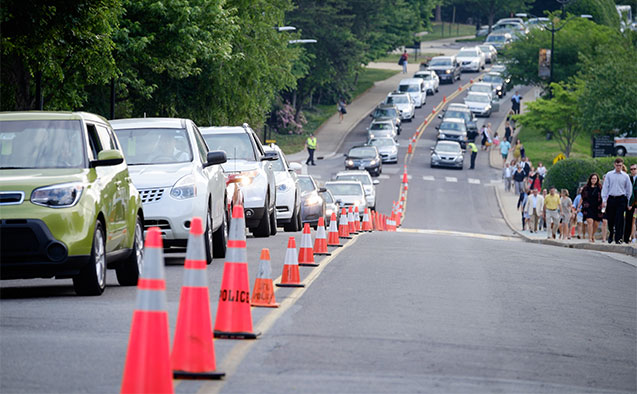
(539, 149)
(602, 11)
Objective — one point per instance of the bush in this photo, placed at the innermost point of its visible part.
(569, 173)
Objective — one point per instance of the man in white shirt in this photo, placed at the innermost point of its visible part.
(616, 192)
(534, 208)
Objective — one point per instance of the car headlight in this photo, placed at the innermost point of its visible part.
(434, 156)
(373, 162)
(184, 188)
(442, 135)
(351, 162)
(313, 200)
(447, 71)
(64, 195)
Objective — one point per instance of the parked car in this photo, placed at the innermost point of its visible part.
(499, 40)
(626, 144)
(382, 128)
(447, 68)
(416, 89)
(490, 53)
(250, 168)
(453, 130)
(510, 20)
(538, 23)
(483, 87)
(498, 82)
(365, 179)
(288, 199)
(405, 104)
(461, 111)
(447, 154)
(331, 206)
(178, 179)
(471, 59)
(479, 103)
(431, 80)
(348, 194)
(68, 208)
(387, 147)
(312, 204)
(388, 112)
(364, 157)
(515, 28)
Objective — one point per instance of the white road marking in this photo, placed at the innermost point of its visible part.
(383, 176)
(391, 170)
(451, 179)
(428, 178)
(474, 181)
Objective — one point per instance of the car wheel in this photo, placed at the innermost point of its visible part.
(263, 229)
(620, 151)
(92, 278)
(293, 226)
(220, 238)
(207, 236)
(273, 223)
(129, 270)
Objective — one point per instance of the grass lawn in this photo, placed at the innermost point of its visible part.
(538, 149)
(320, 113)
(450, 30)
(393, 57)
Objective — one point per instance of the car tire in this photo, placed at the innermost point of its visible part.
(91, 281)
(293, 226)
(208, 238)
(128, 271)
(220, 238)
(436, 90)
(273, 223)
(263, 229)
(620, 151)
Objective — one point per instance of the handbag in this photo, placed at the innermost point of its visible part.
(401, 61)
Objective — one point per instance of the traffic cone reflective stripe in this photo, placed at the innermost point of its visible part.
(147, 366)
(332, 237)
(320, 242)
(234, 316)
(306, 254)
(290, 276)
(263, 293)
(357, 220)
(343, 225)
(193, 355)
(367, 226)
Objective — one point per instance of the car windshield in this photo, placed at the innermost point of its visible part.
(492, 78)
(364, 179)
(451, 126)
(408, 88)
(155, 146)
(277, 165)
(384, 113)
(397, 100)
(481, 88)
(381, 126)
(361, 152)
(497, 38)
(477, 98)
(306, 184)
(485, 48)
(41, 144)
(382, 142)
(345, 189)
(467, 54)
(327, 197)
(440, 62)
(448, 148)
(426, 77)
(457, 114)
(236, 145)
(498, 68)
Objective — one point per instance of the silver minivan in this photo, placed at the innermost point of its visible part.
(416, 89)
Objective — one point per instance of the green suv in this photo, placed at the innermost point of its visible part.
(68, 208)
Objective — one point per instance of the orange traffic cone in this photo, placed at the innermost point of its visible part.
(409, 149)
(444, 99)
(343, 225)
(290, 276)
(263, 293)
(367, 225)
(350, 222)
(306, 254)
(147, 367)
(234, 318)
(332, 237)
(405, 177)
(320, 242)
(372, 219)
(193, 355)
(357, 220)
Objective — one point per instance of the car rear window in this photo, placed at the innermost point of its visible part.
(42, 144)
(361, 178)
(408, 88)
(345, 189)
(237, 146)
(148, 146)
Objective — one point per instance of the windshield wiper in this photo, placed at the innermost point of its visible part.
(13, 168)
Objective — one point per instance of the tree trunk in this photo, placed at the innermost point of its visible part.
(21, 79)
(438, 13)
(491, 14)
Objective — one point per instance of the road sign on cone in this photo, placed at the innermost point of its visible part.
(147, 367)
(263, 293)
(320, 242)
(193, 355)
(306, 253)
(234, 317)
(332, 237)
(343, 225)
(291, 276)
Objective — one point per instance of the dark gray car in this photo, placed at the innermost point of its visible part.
(447, 154)
(447, 68)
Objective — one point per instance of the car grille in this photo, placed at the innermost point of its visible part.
(11, 198)
(466, 62)
(384, 155)
(162, 224)
(151, 195)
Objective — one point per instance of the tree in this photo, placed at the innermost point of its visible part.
(492, 8)
(559, 115)
(66, 44)
(602, 11)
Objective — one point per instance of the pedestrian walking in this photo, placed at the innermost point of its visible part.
(505, 146)
(517, 151)
(541, 170)
(552, 205)
(311, 145)
(403, 61)
(522, 200)
(474, 154)
(508, 132)
(580, 228)
(535, 181)
(486, 137)
(341, 109)
(566, 206)
(515, 102)
(616, 192)
(630, 212)
(534, 209)
(592, 205)
(518, 179)
(507, 175)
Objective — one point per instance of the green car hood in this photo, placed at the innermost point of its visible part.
(26, 180)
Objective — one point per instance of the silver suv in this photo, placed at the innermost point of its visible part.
(249, 168)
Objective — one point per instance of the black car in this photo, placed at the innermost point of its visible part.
(447, 68)
(453, 130)
(312, 203)
(364, 157)
(387, 112)
(498, 82)
(456, 112)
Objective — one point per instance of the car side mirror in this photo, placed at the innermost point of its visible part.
(437, 127)
(322, 190)
(397, 143)
(375, 181)
(339, 202)
(270, 156)
(107, 157)
(215, 157)
(432, 148)
(439, 116)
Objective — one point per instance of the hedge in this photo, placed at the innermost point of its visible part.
(569, 173)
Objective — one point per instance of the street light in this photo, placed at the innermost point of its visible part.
(303, 41)
(284, 28)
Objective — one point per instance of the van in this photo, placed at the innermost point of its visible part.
(416, 89)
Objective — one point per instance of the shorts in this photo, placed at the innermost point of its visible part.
(504, 157)
(580, 217)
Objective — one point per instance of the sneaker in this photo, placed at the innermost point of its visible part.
(619, 242)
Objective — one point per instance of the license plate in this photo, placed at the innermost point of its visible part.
(361, 167)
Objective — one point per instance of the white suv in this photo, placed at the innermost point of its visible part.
(177, 178)
(288, 200)
(250, 165)
(365, 179)
(405, 104)
(471, 59)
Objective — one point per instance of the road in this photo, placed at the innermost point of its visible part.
(452, 303)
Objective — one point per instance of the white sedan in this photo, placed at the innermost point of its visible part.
(471, 59)
(288, 199)
(432, 82)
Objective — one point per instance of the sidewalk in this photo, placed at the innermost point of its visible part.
(507, 202)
